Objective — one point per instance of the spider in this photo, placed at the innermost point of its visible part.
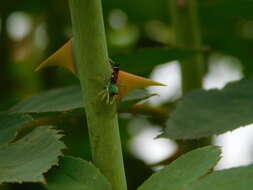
(111, 91)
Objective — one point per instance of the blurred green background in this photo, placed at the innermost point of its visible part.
(31, 30)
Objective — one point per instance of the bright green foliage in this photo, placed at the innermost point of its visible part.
(142, 62)
(185, 170)
(76, 174)
(64, 99)
(28, 158)
(10, 123)
(204, 113)
(231, 179)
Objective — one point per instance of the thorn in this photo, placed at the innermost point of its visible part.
(181, 4)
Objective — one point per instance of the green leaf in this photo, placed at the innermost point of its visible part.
(68, 99)
(28, 158)
(142, 62)
(10, 123)
(232, 179)
(138, 95)
(56, 100)
(133, 98)
(183, 171)
(205, 113)
(76, 174)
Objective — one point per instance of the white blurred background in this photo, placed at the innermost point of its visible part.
(236, 145)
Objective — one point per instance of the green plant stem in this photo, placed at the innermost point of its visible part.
(185, 22)
(94, 73)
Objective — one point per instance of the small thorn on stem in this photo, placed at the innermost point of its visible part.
(181, 4)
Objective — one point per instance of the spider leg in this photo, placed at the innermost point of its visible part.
(105, 96)
(111, 61)
(108, 98)
(102, 94)
(113, 99)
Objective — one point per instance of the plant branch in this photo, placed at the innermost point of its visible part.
(185, 22)
(94, 73)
